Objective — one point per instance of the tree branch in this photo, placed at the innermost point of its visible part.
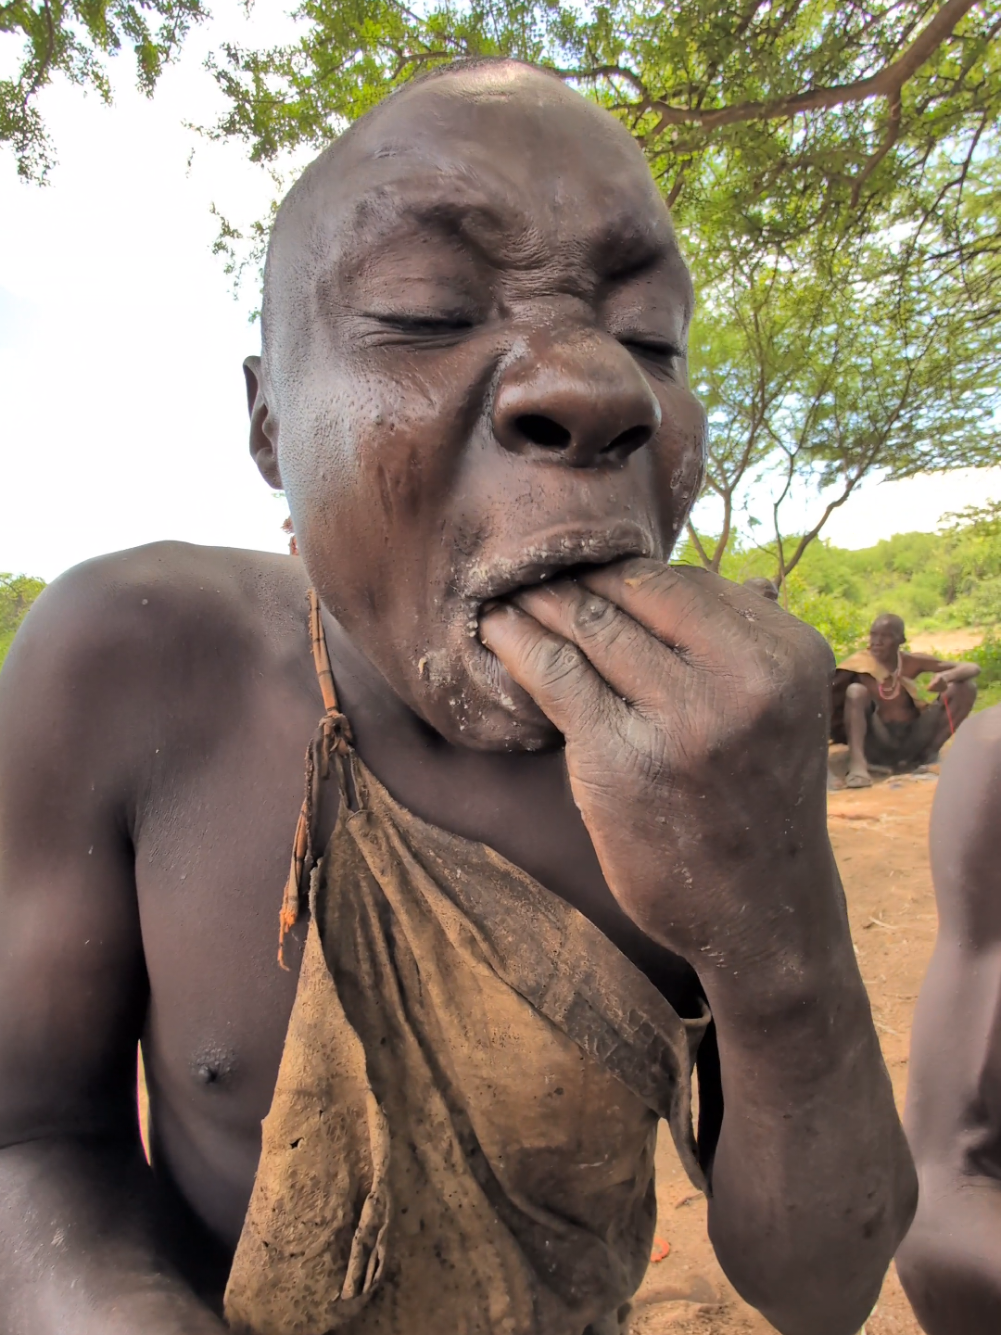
(724, 537)
(606, 72)
(889, 139)
(886, 83)
(697, 544)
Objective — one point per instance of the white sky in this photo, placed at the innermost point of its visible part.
(123, 415)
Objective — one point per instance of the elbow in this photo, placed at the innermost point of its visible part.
(930, 1289)
(811, 1306)
(950, 1262)
(823, 1275)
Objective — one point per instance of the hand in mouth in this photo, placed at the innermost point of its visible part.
(678, 694)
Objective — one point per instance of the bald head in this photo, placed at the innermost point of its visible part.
(888, 625)
(454, 136)
(886, 635)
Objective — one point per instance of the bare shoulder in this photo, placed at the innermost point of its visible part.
(167, 596)
(120, 640)
(966, 832)
(168, 583)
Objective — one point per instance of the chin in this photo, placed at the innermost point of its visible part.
(470, 700)
(498, 730)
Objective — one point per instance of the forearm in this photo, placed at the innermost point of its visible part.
(812, 1182)
(78, 1250)
(962, 672)
(950, 1262)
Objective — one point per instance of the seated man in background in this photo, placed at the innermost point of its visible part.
(950, 1262)
(564, 829)
(878, 709)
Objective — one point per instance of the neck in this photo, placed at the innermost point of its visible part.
(363, 693)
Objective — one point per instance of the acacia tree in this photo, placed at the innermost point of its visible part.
(72, 38)
(832, 168)
(801, 108)
(750, 347)
(815, 375)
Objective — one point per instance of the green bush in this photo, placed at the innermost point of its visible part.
(988, 655)
(935, 581)
(841, 624)
(17, 593)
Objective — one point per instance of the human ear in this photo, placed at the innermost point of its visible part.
(263, 425)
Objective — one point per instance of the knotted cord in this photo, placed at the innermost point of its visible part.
(332, 737)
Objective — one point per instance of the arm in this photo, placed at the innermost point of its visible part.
(78, 1222)
(945, 672)
(807, 1233)
(695, 718)
(950, 1263)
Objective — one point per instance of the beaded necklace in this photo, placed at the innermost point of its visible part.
(894, 687)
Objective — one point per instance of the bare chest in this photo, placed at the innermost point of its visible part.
(211, 857)
(891, 700)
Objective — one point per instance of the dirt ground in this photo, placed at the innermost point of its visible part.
(880, 839)
(946, 643)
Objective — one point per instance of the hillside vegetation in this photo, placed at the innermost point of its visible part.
(935, 581)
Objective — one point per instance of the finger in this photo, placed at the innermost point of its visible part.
(553, 671)
(686, 607)
(634, 663)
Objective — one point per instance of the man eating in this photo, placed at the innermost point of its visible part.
(564, 826)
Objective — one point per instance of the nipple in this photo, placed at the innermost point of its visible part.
(212, 1066)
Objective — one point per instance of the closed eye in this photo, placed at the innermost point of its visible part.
(420, 324)
(654, 348)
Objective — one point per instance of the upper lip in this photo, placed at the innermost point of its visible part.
(542, 557)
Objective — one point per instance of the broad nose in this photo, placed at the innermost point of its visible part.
(583, 400)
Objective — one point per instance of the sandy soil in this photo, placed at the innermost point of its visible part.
(880, 839)
(946, 643)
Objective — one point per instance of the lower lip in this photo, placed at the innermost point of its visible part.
(572, 572)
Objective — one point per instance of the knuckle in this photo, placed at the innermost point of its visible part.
(556, 660)
(787, 682)
(595, 616)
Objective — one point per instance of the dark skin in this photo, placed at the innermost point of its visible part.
(952, 682)
(764, 586)
(472, 391)
(950, 1263)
